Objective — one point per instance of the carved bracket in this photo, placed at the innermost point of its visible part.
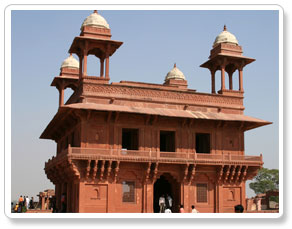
(155, 171)
(117, 167)
(193, 172)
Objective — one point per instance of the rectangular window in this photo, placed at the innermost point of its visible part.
(167, 141)
(202, 193)
(202, 143)
(128, 191)
(130, 139)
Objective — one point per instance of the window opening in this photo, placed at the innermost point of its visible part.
(128, 191)
(130, 139)
(202, 191)
(202, 143)
(167, 141)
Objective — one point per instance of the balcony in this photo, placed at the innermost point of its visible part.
(77, 153)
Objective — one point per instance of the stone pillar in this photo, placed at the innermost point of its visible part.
(80, 66)
(230, 82)
(76, 187)
(47, 202)
(149, 197)
(222, 77)
(107, 66)
(57, 195)
(101, 67)
(243, 197)
(219, 198)
(63, 190)
(69, 192)
(73, 194)
(144, 185)
(240, 79)
(61, 94)
(42, 201)
(213, 81)
(85, 65)
(249, 203)
(182, 193)
(186, 198)
(259, 204)
(81, 192)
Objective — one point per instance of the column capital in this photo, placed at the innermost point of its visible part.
(223, 63)
(60, 86)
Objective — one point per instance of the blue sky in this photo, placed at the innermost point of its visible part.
(153, 42)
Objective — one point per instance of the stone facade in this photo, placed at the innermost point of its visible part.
(120, 146)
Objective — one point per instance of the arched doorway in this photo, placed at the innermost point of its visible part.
(166, 185)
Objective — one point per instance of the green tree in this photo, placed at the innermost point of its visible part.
(265, 180)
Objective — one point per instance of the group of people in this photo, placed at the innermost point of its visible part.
(23, 204)
(165, 205)
(182, 210)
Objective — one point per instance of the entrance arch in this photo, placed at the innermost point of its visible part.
(164, 185)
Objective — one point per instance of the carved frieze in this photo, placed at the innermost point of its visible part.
(157, 95)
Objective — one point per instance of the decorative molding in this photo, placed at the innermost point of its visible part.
(185, 98)
(193, 172)
(116, 170)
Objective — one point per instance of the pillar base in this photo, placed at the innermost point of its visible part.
(231, 92)
(96, 79)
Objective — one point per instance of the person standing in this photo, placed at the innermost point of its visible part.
(27, 202)
(54, 207)
(238, 208)
(162, 204)
(24, 204)
(194, 210)
(63, 203)
(181, 209)
(168, 201)
(16, 208)
(20, 200)
(24, 200)
(167, 210)
(31, 203)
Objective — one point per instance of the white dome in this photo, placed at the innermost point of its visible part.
(70, 62)
(175, 73)
(95, 20)
(225, 37)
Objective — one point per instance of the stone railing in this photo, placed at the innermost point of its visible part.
(191, 157)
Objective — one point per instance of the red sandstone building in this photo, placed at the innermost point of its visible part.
(120, 146)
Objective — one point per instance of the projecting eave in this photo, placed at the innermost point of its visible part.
(76, 46)
(72, 79)
(55, 123)
(66, 111)
(210, 62)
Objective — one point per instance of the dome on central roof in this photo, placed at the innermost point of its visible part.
(175, 73)
(225, 37)
(95, 20)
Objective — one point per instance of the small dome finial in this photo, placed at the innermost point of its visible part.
(175, 73)
(224, 29)
(70, 62)
(95, 20)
